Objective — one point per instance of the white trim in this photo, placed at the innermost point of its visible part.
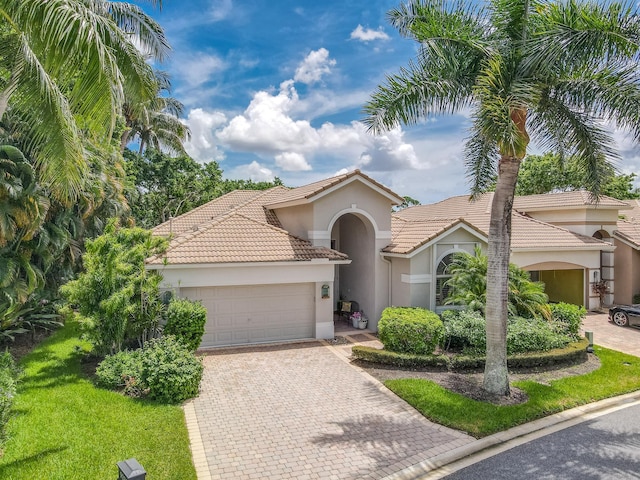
(418, 278)
(586, 248)
(304, 263)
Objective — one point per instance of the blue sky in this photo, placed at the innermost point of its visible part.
(276, 89)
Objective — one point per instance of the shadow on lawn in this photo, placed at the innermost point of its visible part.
(22, 462)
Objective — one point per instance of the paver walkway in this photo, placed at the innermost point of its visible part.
(303, 412)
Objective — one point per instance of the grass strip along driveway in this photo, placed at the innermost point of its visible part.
(66, 428)
(619, 373)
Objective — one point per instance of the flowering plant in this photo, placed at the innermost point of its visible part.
(356, 316)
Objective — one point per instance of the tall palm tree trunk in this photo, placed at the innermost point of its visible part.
(496, 379)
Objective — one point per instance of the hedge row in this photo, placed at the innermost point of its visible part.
(573, 353)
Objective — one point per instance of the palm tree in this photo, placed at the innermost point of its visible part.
(468, 287)
(156, 122)
(69, 65)
(523, 67)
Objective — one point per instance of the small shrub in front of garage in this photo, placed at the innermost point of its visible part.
(568, 317)
(410, 330)
(116, 370)
(164, 369)
(170, 371)
(186, 320)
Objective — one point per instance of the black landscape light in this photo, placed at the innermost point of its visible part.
(131, 470)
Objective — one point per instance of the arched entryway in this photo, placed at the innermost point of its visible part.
(354, 234)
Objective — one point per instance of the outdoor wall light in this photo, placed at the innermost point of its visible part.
(325, 291)
(131, 470)
(595, 276)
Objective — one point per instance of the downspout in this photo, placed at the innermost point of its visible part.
(388, 262)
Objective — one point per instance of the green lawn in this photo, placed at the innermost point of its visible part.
(65, 428)
(619, 373)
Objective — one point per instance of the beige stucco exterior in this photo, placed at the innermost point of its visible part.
(627, 267)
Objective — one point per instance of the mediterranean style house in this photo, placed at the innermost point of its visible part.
(272, 265)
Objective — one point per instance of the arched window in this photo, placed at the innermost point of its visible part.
(442, 275)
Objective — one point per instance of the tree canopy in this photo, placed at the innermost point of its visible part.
(550, 173)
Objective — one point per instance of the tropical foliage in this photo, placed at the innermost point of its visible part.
(468, 287)
(115, 297)
(162, 186)
(551, 70)
(66, 67)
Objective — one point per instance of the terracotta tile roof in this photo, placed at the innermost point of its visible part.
(632, 215)
(409, 235)
(415, 226)
(578, 198)
(629, 232)
(236, 238)
(247, 202)
(307, 192)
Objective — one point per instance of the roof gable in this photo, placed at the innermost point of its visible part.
(313, 191)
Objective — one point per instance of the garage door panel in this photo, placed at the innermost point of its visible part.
(256, 313)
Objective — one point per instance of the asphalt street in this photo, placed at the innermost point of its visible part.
(607, 447)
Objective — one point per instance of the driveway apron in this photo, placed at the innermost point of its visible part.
(304, 412)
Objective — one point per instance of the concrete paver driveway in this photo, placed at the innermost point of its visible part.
(303, 412)
(609, 335)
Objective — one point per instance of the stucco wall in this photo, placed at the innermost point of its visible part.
(297, 220)
(627, 268)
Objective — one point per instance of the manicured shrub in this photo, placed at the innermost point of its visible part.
(533, 335)
(464, 330)
(115, 371)
(186, 320)
(8, 380)
(567, 317)
(410, 330)
(170, 371)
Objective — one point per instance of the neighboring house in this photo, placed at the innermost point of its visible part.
(272, 265)
(626, 238)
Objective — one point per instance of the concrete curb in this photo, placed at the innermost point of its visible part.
(538, 428)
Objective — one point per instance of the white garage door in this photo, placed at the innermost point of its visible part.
(256, 313)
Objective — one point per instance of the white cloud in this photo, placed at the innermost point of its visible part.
(220, 9)
(203, 146)
(314, 66)
(252, 171)
(268, 128)
(200, 68)
(368, 34)
(292, 162)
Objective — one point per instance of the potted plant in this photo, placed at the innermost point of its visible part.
(355, 319)
(362, 323)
